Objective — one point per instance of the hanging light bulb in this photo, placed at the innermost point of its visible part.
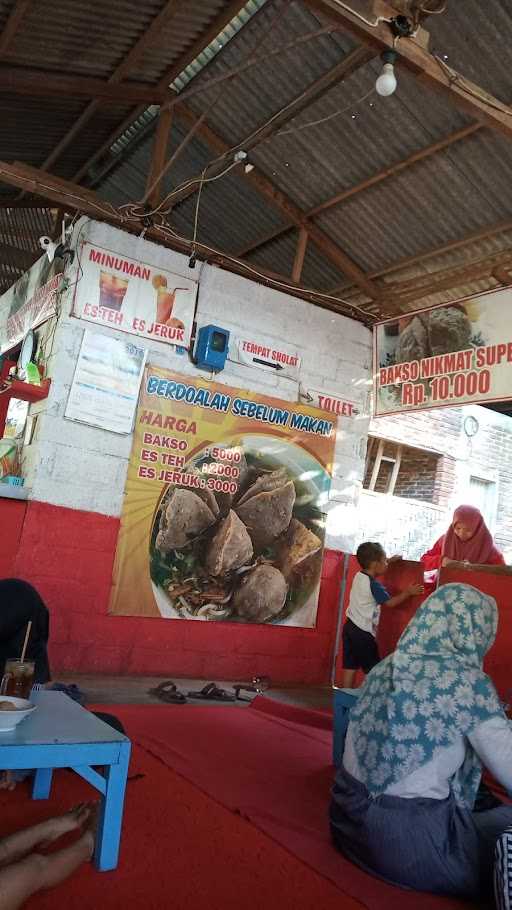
(386, 83)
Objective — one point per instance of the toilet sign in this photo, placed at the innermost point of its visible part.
(267, 355)
(327, 401)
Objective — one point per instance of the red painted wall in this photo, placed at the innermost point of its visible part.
(68, 555)
(393, 621)
(12, 516)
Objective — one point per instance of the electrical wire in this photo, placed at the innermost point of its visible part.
(455, 78)
(196, 216)
(343, 110)
(423, 8)
(111, 213)
(318, 294)
(373, 23)
(134, 210)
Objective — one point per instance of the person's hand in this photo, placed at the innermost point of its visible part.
(446, 563)
(6, 780)
(396, 558)
(415, 590)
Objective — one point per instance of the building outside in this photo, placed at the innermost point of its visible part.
(420, 466)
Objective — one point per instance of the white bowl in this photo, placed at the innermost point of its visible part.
(10, 719)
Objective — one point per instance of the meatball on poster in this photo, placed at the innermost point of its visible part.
(456, 353)
(223, 518)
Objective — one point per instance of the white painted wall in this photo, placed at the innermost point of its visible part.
(81, 467)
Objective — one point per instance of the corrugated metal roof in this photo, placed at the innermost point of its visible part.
(260, 91)
(185, 28)
(419, 209)
(231, 210)
(196, 66)
(20, 230)
(436, 201)
(474, 36)
(86, 38)
(30, 129)
(279, 256)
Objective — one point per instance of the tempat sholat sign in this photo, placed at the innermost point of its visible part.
(223, 517)
(133, 296)
(457, 353)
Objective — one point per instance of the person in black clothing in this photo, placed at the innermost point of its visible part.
(20, 604)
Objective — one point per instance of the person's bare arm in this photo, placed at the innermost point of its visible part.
(398, 599)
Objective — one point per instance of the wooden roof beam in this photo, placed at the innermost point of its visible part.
(218, 25)
(79, 199)
(348, 65)
(286, 206)
(427, 68)
(150, 36)
(39, 83)
(408, 261)
(433, 149)
(12, 25)
(404, 293)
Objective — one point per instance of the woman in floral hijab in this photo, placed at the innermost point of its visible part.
(426, 720)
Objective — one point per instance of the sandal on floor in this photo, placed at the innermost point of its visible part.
(211, 692)
(168, 692)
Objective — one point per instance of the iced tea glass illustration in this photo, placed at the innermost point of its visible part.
(18, 677)
(112, 291)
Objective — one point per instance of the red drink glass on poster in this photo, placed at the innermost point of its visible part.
(112, 291)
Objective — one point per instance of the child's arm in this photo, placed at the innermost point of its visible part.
(398, 599)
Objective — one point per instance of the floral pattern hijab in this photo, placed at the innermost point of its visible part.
(431, 690)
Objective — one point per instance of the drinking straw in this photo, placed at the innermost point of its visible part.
(25, 643)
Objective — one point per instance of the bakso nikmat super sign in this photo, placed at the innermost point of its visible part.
(134, 296)
(223, 518)
(459, 353)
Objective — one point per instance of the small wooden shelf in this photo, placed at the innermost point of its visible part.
(27, 391)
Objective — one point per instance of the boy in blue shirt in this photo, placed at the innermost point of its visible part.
(367, 595)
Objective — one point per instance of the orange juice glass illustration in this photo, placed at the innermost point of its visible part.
(112, 291)
(164, 305)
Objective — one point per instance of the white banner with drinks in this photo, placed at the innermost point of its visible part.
(134, 296)
(456, 353)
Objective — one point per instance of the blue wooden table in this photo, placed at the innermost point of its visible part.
(62, 734)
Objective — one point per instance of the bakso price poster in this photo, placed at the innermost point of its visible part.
(223, 519)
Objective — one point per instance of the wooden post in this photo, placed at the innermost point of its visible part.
(300, 253)
(158, 157)
(396, 469)
(376, 466)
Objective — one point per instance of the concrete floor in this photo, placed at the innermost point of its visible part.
(134, 690)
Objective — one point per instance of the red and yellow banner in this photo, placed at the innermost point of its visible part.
(134, 296)
(457, 353)
(224, 509)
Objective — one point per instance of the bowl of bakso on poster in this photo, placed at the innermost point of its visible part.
(243, 542)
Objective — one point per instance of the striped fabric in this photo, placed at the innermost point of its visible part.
(503, 871)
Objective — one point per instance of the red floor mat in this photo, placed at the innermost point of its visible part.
(180, 850)
(272, 765)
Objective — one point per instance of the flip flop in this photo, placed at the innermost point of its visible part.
(168, 692)
(211, 692)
